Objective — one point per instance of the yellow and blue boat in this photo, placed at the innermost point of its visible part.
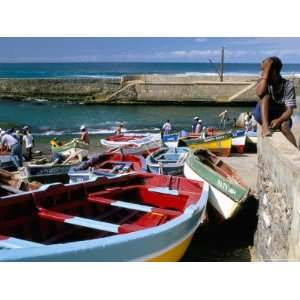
(218, 144)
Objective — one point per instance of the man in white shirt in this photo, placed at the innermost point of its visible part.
(29, 142)
(167, 127)
(14, 146)
(223, 118)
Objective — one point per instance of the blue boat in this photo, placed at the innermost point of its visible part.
(170, 140)
(168, 161)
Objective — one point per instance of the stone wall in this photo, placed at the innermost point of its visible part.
(148, 89)
(194, 92)
(56, 89)
(278, 231)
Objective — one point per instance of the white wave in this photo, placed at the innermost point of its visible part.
(91, 132)
(104, 131)
(50, 132)
(95, 76)
(145, 129)
(291, 74)
(214, 74)
(40, 100)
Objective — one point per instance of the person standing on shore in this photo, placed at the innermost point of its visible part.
(29, 142)
(277, 100)
(84, 136)
(167, 127)
(194, 125)
(253, 123)
(13, 146)
(119, 129)
(223, 118)
(198, 127)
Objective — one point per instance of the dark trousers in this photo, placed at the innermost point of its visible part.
(29, 153)
(16, 155)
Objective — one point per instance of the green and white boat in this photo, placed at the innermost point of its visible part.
(227, 189)
(73, 147)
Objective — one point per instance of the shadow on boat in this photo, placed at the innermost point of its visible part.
(229, 241)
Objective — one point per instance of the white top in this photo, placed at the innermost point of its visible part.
(8, 140)
(28, 139)
(167, 127)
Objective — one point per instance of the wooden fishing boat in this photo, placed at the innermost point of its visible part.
(167, 161)
(73, 147)
(133, 144)
(108, 165)
(137, 217)
(12, 183)
(227, 189)
(47, 173)
(238, 141)
(170, 140)
(218, 144)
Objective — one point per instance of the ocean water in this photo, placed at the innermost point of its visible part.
(98, 70)
(54, 118)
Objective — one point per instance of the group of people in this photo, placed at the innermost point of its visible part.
(12, 141)
(197, 127)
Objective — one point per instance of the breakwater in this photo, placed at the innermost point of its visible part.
(139, 89)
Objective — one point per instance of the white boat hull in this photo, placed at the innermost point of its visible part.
(225, 206)
(139, 146)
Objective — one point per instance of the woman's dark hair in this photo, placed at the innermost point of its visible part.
(277, 64)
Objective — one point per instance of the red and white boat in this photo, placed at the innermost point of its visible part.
(239, 141)
(137, 217)
(133, 143)
(108, 165)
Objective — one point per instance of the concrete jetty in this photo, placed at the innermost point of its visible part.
(139, 89)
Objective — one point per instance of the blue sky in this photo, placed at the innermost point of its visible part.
(198, 49)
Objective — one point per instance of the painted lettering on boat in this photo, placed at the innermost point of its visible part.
(226, 187)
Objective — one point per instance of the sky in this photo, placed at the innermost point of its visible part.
(197, 49)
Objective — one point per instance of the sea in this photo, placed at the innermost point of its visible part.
(115, 69)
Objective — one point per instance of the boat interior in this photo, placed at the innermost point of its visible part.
(67, 213)
(219, 166)
(172, 155)
(112, 163)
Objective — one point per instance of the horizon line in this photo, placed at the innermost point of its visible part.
(120, 62)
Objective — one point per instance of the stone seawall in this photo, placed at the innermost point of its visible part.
(141, 89)
(277, 236)
(57, 89)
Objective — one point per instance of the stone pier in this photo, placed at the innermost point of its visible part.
(139, 89)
